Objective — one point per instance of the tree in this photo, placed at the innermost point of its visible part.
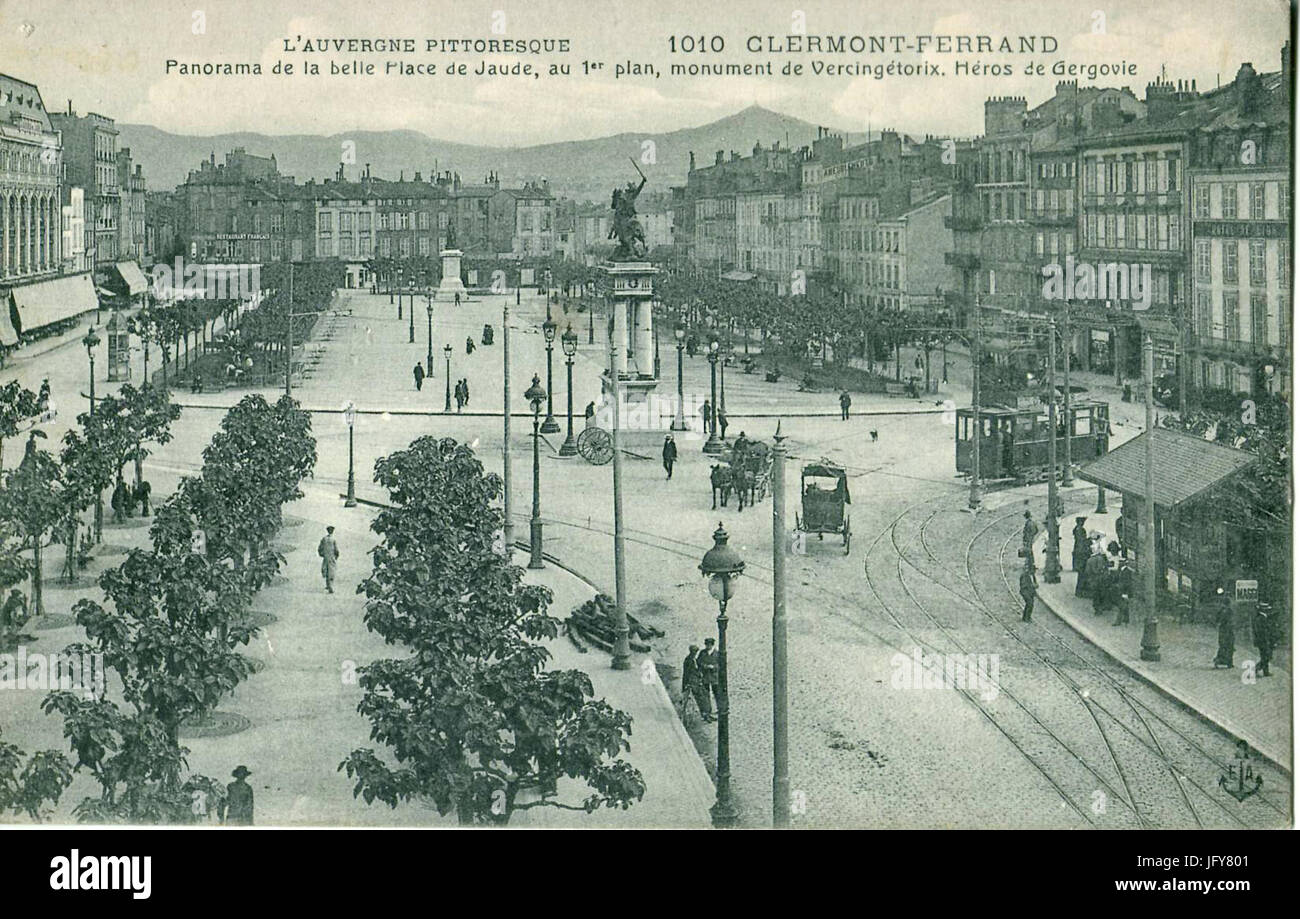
(474, 721)
(28, 784)
(17, 404)
(14, 569)
(32, 498)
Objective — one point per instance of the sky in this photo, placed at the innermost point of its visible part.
(110, 56)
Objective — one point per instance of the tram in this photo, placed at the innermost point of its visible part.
(1014, 442)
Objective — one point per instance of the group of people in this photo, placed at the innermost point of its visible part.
(126, 499)
(460, 392)
(713, 424)
(1104, 572)
(1261, 627)
(700, 680)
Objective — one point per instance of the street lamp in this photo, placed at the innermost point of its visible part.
(569, 343)
(713, 445)
(350, 418)
(722, 565)
(91, 341)
(428, 309)
(724, 353)
(550, 425)
(535, 395)
(400, 281)
(679, 332)
(446, 351)
(410, 328)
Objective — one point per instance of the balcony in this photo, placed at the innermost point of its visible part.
(1211, 344)
(963, 223)
(1053, 220)
(967, 260)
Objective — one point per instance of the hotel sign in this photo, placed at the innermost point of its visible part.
(1266, 229)
(238, 236)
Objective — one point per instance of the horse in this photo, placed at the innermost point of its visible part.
(720, 478)
(742, 481)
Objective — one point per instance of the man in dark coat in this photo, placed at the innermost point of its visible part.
(845, 401)
(1027, 535)
(1227, 632)
(707, 661)
(1127, 580)
(142, 493)
(418, 373)
(670, 454)
(691, 686)
(118, 502)
(237, 809)
(706, 412)
(1097, 571)
(1263, 629)
(1028, 591)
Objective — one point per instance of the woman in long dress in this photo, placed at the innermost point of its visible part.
(1227, 634)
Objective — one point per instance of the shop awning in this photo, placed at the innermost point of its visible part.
(1185, 466)
(47, 302)
(132, 277)
(8, 337)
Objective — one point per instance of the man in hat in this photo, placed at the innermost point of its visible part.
(1263, 629)
(118, 501)
(1027, 535)
(237, 809)
(845, 401)
(418, 373)
(1227, 633)
(1127, 577)
(670, 454)
(328, 551)
(1028, 591)
(691, 684)
(707, 662)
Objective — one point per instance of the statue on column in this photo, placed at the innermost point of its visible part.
(451, 235)
(626, 228)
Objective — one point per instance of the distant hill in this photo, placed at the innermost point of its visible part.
(581, 169)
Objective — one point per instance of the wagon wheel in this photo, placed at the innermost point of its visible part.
(846, 534)
(595, 446)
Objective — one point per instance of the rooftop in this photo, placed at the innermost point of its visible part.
(1186, 466)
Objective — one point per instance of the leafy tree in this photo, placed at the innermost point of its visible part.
(28, 784)
(17, 404)
(474, 721)
(14, 569)
(32, 498)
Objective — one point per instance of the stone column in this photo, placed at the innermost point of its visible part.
(4, 234)
(620, 336)
(645, 343)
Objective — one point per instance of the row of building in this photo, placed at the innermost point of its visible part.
(72, 215)
(1165, 216)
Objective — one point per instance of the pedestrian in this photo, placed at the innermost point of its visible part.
(1028, 590)
(1263, 629)
(670, 454)
(469, 345)
(142, 493)
(1079, 554)
(722, 424)
(237, 808)
(418, 373)
(1027, 534)
(707, 661)
(128, 499)
(460, 396)
(1127, 576)
(118, 501)
(691, 686)
(1097, 571)
(328, 550)
(1227, 631)
(741, 445)
(845, 401)
(464, 390)
(43, 397)
(706, 412)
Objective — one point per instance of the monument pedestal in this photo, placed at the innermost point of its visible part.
(451, 286)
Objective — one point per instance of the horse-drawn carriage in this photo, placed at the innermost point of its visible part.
(745, 470)
(824, 488)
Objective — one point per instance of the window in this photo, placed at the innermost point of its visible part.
(1231, 329)
(1228, 205)
(1203, 260)
(1256, 200)
(1259, 319)
(1202, 317)
(1202, 203)
(326, 221)
(1230, 262)
(1283, 264)
(1258, 265)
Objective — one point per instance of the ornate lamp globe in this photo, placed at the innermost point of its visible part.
(679, 331)
(536, 394)
(722, 565)
(548, 330)
(446, 350)
(713, 345)
(569, 342)
(91, 340)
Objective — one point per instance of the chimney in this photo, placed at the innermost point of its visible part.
(1248, 89)
(717, 158)
(692, 169)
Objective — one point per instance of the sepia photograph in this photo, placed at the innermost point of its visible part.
(838, 417)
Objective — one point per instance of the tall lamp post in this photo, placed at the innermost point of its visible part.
(1052, 549)
(550, 425)
(780, 720)
(535, 395)
(350, 418)
(91, 341)
(446, 352)
(679, 332)
(713, 445)
(569, 344)
(724, 355)
(428, 309)
(722, 565)
(410, 328)
(401, 275)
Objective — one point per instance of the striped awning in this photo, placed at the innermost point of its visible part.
(132, 277)
(8, 335)
(47, 302)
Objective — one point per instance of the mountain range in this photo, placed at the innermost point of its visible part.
(586, 170)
